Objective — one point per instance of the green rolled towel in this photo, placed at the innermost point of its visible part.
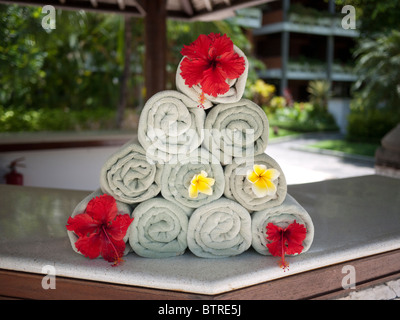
(239, 129)
(219, 229)
(123, 208)
(129, 177)
(238, 187)
(170, 124)
(281, 215)
(177, 179)
(159, 229)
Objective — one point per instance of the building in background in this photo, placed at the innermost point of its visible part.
(303, 40)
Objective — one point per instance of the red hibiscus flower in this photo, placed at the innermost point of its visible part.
(209, 61)
(100, 229)
(285, 241)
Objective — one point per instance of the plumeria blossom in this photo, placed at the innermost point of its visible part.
(101, 229)
(262, 180)
(209, 61)
(287, 240)
(201, 183)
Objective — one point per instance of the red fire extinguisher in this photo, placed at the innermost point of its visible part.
(14, 177)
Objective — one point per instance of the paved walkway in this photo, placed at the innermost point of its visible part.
(302, 166)
(387, 291)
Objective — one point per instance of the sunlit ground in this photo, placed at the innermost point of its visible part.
(304, 167)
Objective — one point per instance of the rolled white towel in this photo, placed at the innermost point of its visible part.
(170, 124)
(159, 229)
(235, 93)
(177, 179)
(219, 229)
(283, 215)
(123, 208)
(241, 189)
(129, 177)
(239, 129)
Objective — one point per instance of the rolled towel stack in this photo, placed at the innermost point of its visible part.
(201, 181)
(177, 178)
(170, 124)
(159, 229)
(283, 215)
(236, 130)
(219, 229)
(129, 177)
(81, 207)
(238, 187)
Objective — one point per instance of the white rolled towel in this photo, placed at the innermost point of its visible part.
(219, 229)
(239, 188)
(128, 176)
(123, 208)
(177, 179)
(234, 94)
(239, 129)
(282, 215)
(159, 229)
(170, 124)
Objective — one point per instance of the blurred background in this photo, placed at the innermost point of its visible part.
(73, 80)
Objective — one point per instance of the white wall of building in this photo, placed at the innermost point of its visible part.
(74, 168)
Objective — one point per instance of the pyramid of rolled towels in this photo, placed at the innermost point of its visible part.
(177, 141)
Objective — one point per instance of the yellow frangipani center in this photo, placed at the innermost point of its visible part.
(262, 180)
(201, 183)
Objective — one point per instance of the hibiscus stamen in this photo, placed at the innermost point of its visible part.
(118, 259)
(285, 241)
(202, 99)
(282, 263)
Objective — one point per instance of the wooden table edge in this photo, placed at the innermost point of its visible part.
(321, 283)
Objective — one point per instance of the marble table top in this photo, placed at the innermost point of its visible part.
(353, 218)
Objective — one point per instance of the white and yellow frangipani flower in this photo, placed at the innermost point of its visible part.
(262, 180)
(200, 183)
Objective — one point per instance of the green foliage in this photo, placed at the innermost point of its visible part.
(75, 66)
(261, 93)
(375, 16)
(275, 132)
(376, 95)
(378, 70)
(357, 148)
(306, 11)
(44, 119)
(17, 120)
(319, 91)
(278, 102)
(64, 78)
(301, 116)
(370, 125)
(304, 117)
(21, 60)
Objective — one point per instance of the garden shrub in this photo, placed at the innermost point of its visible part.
(370, 125)
(45, 119)
(304, 117)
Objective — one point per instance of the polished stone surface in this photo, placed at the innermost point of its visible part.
(353, 218)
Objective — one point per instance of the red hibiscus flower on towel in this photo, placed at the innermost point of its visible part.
(209, 61)
(285, 241)
(100, 229)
